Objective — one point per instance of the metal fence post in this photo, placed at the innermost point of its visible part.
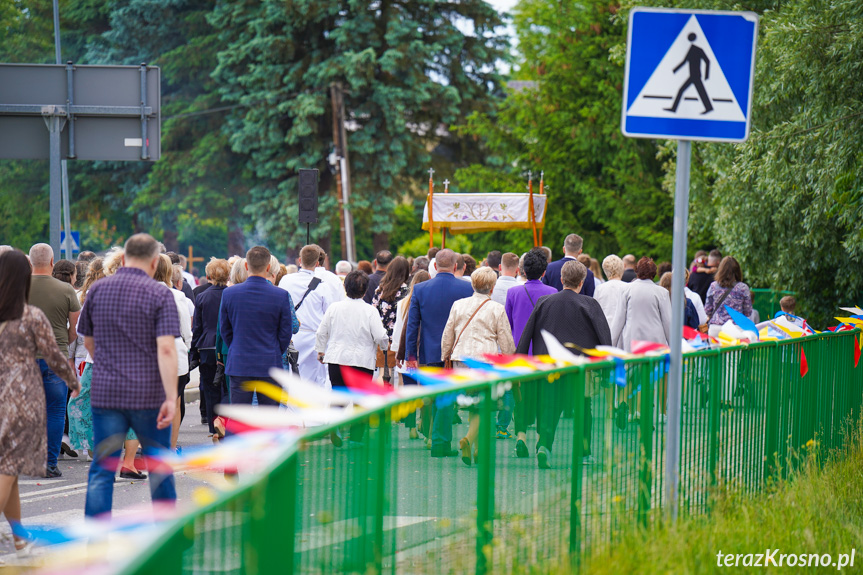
(714, 398)
(645, 474)
(579, 382)
(485, 484)
(380, 484)
(771, 429)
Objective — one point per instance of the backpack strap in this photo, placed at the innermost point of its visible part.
(312, 285)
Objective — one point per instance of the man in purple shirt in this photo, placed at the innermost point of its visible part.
(520, 301)
(129, 323)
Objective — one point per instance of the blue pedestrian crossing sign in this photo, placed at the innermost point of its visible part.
(76, 241)
(689, 74)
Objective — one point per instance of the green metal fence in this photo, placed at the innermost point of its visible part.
(388, 507)
(766, 301)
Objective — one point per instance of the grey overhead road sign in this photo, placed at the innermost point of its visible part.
(104, 112)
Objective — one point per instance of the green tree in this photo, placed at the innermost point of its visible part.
(563, 119)
(787, 203)
(408, 67)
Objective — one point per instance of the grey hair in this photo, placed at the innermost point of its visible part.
(41, 255)
(572, 274)
(572, 243)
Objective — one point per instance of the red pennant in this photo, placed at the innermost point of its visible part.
(363, 383)
(689, 333)
(856, 352)
(804, 365)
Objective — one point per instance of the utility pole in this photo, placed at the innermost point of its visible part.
(340, 159)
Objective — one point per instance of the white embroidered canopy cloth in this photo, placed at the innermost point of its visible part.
(467, 213)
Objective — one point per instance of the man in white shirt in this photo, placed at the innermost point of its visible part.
(508, 271)
(190, 279)
(343, 268)
(311, 296)
(329, 277)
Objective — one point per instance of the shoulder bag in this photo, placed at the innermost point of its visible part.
(447, 362)
(706, 325)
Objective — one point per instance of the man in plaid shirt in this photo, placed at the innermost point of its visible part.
(129, 323)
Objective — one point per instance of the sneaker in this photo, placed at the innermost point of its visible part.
(413, 433)
(588, 460)
(521, 449)
(336, 438)
(542, 457)
(52, 472)
(503, 434)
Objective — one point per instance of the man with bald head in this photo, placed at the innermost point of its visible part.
(429, 311)
(60, 304)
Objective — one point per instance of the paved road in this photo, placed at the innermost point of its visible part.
(60, 501)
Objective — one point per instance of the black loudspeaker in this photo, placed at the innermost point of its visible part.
(308, 199)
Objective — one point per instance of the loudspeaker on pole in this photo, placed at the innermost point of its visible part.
(308, 196)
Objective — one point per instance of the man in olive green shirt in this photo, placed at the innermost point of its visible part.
(59, 302)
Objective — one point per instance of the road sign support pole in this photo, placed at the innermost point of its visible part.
(675, 376)
(55, 177)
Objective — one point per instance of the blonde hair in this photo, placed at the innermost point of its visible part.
(613, 267)
(239, 273)
(483, 280)
(113, 261)
(275, 268)
(176, 274)
(218, 271)
(164, 270)
(94, 273)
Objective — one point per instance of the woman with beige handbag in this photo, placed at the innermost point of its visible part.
(476, 326)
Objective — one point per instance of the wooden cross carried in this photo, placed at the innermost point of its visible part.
(190, 263)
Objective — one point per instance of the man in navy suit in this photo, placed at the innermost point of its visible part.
(256, 322)
(571, 249)
(429, 311)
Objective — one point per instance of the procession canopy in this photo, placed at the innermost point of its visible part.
(470, 213)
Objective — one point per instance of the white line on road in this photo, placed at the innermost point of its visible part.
(33, 495)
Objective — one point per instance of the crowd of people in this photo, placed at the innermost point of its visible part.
(97, 352)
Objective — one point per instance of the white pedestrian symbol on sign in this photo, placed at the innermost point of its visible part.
(670, 92)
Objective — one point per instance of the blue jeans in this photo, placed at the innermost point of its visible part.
(55, 404)
(504, 416)
(109, 433)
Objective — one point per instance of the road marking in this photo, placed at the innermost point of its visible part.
(35, 494)
(39, 481)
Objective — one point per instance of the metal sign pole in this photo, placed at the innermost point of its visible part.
(53, 122)
(675, 376)
(64, 186)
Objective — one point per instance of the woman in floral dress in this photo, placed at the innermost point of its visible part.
(393, 288)
(24, 332)
(80, 414)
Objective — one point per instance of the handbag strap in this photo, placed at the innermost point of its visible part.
(528, 296)
(476, 311)
(719, 303)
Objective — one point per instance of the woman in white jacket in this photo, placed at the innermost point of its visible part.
(166, 273)
(349, 336)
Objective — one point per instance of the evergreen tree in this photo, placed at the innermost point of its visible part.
(408, 69)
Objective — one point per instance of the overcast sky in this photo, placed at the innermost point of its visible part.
(503, 5)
